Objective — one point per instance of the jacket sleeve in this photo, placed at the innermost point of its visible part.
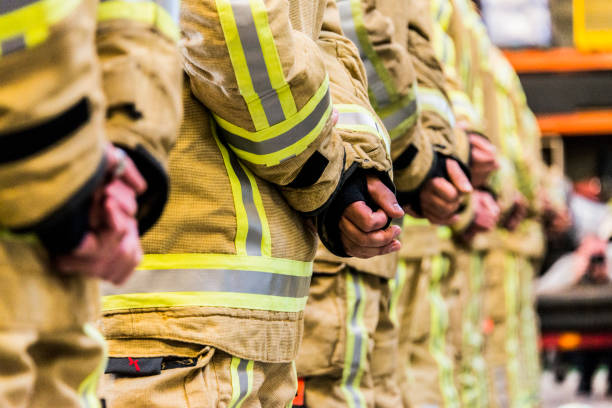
(378, 28)
(141, 71)
(266, 85)
(51, 121)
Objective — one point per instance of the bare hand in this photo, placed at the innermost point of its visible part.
(483, 159)
(440, 198)
(517, 214)
(361, 228)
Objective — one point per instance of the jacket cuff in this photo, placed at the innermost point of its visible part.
(352, 188)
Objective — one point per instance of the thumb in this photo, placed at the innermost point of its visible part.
(384, 197)
(458, 177)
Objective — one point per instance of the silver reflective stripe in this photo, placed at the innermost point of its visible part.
(431, 99)
(399, 116)
(358, 118)
(254, 232)
(359, 335)
(12, 45)
(6, 6)
(173, 7)
(375, 85)
(283, 140)
(212, 280)
(255, 61)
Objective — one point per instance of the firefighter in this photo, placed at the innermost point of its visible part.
(74, 76)
(368, 293)
(214, 314)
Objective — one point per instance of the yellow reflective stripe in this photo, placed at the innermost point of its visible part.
(396, 286)
(30, 24)
(441, 11)
(512, 343)
(148, 12)
(225, 261)
(7, 235)
(88, 388)
(439, 328)
(241, 68)
(266, 239)
(444, 232)
(430, 99)
(356, 342)
(210, 299)
(270, 55)
(410, 221)
(242, 221)
(464, 107)
(285, 139)
(359, 119)
(241, 373)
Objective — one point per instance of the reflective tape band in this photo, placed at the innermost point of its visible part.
(256, 61)
(410, 221)
(359, 119)
(252, 229)
(512, 341)
(400, 116)
(464, 108)
(88, 389)
(433, 100)
(161, 14)
(439, 328)
(284, 140)
(356, 342)
(241, 373)
(25, 23)
(216, 280)
(444, 48)
(441, 11)
(396, 286)
(397, 112)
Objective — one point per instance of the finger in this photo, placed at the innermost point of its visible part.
(480, 143)
(434, 219)
(360, 252)
(362, 216)
(434, 204)
(132, 177)
(376, 239)
(124, 196)
(384, 197)
(442, 188)
(483, 158)
(408, 210)
(458, 177)
(116, 219)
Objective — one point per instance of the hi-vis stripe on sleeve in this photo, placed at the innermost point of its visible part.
(359, 119)
(281, 130)
(162, 14)
(430, 99)
(398, 112)
(215, 280)
(463, 107)
(441, 11)
(26, 23)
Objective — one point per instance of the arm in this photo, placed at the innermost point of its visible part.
(141, 72)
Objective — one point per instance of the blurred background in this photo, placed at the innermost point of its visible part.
(562, 50)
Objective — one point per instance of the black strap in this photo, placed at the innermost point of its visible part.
(17, 145)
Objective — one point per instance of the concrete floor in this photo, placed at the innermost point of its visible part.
(564, 395)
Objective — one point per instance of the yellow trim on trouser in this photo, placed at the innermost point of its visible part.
(396, 286)
(529, 333)
(241, 372)
(89, 386)
(356, 341)
(473, 370)
(368, 123)
(147, 12)
(439, 328)
(32, 22)
(512, 343)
